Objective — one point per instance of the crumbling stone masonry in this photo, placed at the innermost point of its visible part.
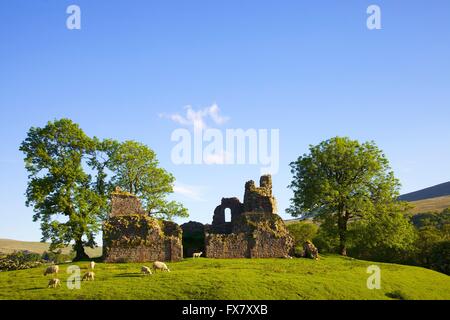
(131, 235)
(255, 230)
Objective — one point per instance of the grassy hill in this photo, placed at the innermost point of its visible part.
(333, 277)
(430, 205)
(9, 246)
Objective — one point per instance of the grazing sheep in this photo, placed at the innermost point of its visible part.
(288, 257)
(146, 270)
(197, 255)
(89, 276)
(51, 270)
(92, 265)
(160, 266)
(54, 283)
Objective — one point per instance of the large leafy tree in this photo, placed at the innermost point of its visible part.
(62, 192)
(341, 179)
(71, 176)
(135, 169)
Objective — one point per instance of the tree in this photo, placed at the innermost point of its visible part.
(341, 179)
(386, 236)
(301, 232)
(136, 169)
(59, 188)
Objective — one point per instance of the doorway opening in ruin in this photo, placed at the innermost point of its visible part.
(227, 215)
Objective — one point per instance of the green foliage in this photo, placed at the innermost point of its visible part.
(439, 259)
(332, 277)
(57, 257)
(343, 179)
(59, 185)
(20, 260)
(302, 232)
(72, 175)
(136, 169)
(432, 242)
(386, 237)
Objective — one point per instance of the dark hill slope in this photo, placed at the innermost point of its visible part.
(439, 190)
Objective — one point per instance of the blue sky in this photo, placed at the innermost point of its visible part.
(311, 69)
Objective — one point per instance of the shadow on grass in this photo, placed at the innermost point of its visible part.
(34, 289)
(397, 295)
(129, 275)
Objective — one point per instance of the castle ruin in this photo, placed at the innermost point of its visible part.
(255, 230)
(131, 235)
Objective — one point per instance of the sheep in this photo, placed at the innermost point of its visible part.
(51, 270)
(146, 270)
(160, 266)
(92, 265)
(54, 283)
(197, 255)
(89, 276)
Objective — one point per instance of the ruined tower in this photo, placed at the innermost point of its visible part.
(255, 230)
(131, 235)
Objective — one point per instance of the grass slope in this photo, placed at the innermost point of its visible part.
(430, 205)
(333, 277)
(9, 246)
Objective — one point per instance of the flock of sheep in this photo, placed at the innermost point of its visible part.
(54, 270)
(90, 275)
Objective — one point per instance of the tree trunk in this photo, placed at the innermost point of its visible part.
(342, 224)
(80, 253)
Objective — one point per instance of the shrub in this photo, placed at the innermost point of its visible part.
(20, 260)
(57, 257)
(440, 257)
(302, 231)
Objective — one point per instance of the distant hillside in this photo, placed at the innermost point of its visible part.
(9, 246)
(430, 205)
(440, 190)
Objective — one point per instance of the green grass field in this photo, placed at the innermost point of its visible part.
(333, 277)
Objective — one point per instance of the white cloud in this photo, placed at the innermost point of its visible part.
(188, 191)
(198, 118)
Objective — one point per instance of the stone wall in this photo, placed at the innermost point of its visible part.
(227, 246)
(255, 231)
(256, 235)
(260, 199)
(123, 204)
(130, 235)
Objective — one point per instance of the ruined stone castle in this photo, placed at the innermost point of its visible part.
(254, 230)
(131, 235)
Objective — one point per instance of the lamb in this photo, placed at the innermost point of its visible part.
(160, 266)
(51, 270)
(54, 283)
(146, 270)
(197, 255)
(89, 276)
(92, 265)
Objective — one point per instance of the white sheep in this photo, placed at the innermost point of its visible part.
(146, 270)
(54, 283)
(51, 270)
(160, 266)
(89, 276)
(92, 265)
(197, 255)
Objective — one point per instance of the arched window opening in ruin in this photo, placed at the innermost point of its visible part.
(227, 215)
